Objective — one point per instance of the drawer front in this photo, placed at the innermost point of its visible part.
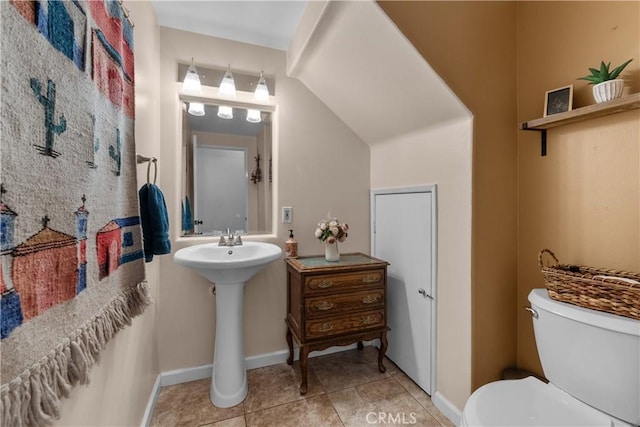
(353, 323)
(344, 303)
(346, 281)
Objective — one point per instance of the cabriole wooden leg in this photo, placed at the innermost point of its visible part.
(382, 351)
(290, 343)
(304, 357)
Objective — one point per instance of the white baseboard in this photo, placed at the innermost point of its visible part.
(447, 408)
(151, 404)
(185, 375)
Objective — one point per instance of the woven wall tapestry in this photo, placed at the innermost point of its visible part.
(72, 270)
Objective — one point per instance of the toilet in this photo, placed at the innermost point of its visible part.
(592, 361)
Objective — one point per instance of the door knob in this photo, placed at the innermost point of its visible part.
(424, 293)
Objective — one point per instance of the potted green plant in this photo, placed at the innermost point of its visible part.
(607, 85)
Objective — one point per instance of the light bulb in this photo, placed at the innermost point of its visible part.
(262, 91)
(225, 112)
(191, 83)
(196, 108)
(253, 116)
(227, 85)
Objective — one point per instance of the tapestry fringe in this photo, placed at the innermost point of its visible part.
(34, 397)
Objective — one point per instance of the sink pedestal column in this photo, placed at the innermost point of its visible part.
(229, 378)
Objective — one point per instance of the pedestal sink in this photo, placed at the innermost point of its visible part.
(229, 267)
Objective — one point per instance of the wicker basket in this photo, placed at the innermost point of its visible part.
(616, 292)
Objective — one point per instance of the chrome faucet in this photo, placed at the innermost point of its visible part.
(230, 240)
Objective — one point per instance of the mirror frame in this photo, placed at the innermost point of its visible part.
(209, 95)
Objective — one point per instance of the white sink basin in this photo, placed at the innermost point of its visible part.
(228, 264)
(228, 267)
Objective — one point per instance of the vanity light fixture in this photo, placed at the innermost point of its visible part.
(262, 91)
(253, 116)
(227, 87)
(191, 83)
(196, 108)
(225, 112)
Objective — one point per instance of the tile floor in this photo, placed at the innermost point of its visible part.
(345, 389)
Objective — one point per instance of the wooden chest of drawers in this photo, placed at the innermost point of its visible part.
(335, 303)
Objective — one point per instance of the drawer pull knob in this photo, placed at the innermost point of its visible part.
(370, 278)
(326, 327)
(324, 305)
(368, 320)
(369, 299)
(325, 284)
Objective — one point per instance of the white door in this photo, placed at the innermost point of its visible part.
(404, 235)
(194, 153)
(221, 206)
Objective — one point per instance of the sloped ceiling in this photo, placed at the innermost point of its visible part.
(352, 57)
(263, 23)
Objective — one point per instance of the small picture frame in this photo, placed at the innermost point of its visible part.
(558, 100)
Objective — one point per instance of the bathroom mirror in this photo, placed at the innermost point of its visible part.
(226, 172)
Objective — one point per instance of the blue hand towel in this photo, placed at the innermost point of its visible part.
(183, 217)
(155, 222)
(185, 224)
(188, 216)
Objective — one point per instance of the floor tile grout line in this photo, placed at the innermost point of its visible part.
(367, 377)
(286, 403)
(223, 419)
(359, 384)
(436, 415)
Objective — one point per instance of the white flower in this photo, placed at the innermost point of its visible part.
(331, 231)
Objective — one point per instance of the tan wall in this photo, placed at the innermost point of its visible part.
(582, 200)
(472, 46)
(121, 384)
(319, 166)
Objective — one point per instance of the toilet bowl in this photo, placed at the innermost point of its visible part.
(591, 359)
(529, 402)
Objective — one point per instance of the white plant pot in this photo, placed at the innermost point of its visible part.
(606, 91)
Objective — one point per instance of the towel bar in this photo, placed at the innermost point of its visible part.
(142, 159)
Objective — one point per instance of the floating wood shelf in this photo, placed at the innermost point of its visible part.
(626, 103)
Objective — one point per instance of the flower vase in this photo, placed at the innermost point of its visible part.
(331, 252)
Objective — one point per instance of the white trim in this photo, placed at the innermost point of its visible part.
(179, 376)
(293, 62)
(433, 189)
(151, 404)
(209, 95)
(447, 408)
(185, 375)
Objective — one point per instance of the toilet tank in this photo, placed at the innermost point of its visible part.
(591, 355)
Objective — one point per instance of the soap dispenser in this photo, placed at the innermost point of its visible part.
(291, 246)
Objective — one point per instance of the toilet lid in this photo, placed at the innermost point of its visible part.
(528, 402)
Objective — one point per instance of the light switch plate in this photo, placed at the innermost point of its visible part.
(287, 214)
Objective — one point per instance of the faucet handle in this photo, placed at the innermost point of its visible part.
(238, 240)
(222, 242)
